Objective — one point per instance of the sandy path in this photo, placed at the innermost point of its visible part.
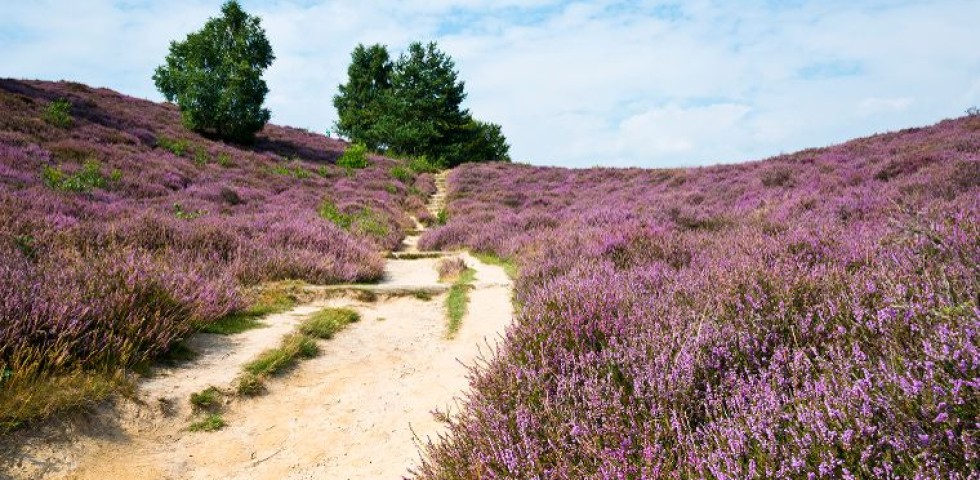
(349, 413)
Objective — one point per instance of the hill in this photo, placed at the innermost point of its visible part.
(813, 315)
(120, 232)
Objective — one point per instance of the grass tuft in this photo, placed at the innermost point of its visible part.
(325, 323)
(458, 300)
(210, 423)
(206, 399)
(276, 360)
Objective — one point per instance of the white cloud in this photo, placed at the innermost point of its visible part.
(576, 83)
(873, 106)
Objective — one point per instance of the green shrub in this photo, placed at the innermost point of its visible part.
(201, 156)
(176, 146)
(225, 160)
(363, 221)
(401, 174)
(182, 214)
(84, 180)
(286, 170)
(58, 113)
(354, 157)
(423, 165)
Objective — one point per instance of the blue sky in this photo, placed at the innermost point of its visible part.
(617, 83)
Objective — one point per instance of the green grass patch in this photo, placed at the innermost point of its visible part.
(458, 300)
(327, 322)
(212, 422)
(206, 399)
(510, 268)
(275, 360)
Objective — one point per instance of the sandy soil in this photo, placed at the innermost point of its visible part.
(353, 412)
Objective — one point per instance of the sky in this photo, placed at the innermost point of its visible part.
(572, 83)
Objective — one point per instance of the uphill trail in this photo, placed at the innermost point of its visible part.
(353, 412)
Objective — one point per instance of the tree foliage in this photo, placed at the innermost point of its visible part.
(360, 102)
(215, 76)
(413, 106)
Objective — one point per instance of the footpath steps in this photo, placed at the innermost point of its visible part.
(438, 200)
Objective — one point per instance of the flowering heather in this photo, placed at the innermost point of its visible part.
(120, 231)
(813, 315)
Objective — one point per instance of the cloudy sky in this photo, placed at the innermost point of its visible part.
(574, 83)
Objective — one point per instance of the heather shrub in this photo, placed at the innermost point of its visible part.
(719, 327)
(106, 264)
(450, 269)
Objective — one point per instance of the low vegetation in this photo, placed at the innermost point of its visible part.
(813, 315)
(123, 234)
(210, 423)
(274, 361)
(325, 323)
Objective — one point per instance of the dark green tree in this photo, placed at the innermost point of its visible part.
(425, 114)
(413, 106)
(360, 103)
(215, 76)
(479, 142)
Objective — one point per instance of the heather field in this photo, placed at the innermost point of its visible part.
(813, 315)
(121, 232)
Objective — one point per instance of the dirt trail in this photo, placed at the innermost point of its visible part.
(349, 413)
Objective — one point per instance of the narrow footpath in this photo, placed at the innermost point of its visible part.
(353, 412)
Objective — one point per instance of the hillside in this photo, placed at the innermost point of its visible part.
(813, 315)
(121, 232)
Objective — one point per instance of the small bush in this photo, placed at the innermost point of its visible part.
(973, 112)
(182, 214)
(442, 217)
(176, 146)
(225, 160)
(201, 156)
(210, 423)
(423, 165)
(249, 385)
(84, 180)
(58, 113)
(450, 269)
(230, 196)
(325, 323)
(284, 169)
(364, 221)
(354, 157)
(401, 174)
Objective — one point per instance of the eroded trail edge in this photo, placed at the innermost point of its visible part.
(352, 412)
